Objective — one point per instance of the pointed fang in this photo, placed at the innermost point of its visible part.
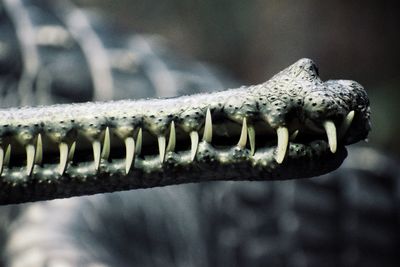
(1, 159)
(283, 140)
(331, 134)
(346, 123)
(194, 138)
(243, 135)
(96, 154)
(172, 138)
(39, 150)
(139, 142)
(207, 135)
(130, 153)
(252, 139)
(63, 157)
(72, 151)
(161, 147)
(106, 145)
(7, 156)
(294, 135)
(30, 158)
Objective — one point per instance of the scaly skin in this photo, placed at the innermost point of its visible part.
(293, 101)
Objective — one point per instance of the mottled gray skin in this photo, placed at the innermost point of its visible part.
(295, 98)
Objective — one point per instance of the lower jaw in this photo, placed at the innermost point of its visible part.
(46, 183)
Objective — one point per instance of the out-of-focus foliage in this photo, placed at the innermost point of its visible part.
(253, 39)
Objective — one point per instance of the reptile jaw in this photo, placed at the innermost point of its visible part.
(285, 128)
(242, 137)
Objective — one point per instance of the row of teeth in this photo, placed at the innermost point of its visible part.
(35, 154)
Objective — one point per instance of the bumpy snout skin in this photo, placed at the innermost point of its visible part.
(308, 124)
(298, 92)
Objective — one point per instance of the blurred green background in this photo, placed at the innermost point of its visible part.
(252, 40)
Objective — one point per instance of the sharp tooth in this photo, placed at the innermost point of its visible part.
(96, 154)
(161, 147)
(194, 138)
(63, 157)
(243, 135)
(106, 145)
(252, 139)
(294, 135)
(130, 153)
(39, 150)
(207, 135)
(346, 123)
(72, 151)
(7, 156)
(30, 158)
(283, 140)
(139, 142)
(1, 159)
(172, 138)
(331, 133)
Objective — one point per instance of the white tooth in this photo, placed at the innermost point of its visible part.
(72, 151)
(252, 139)
(7, 156)
(346, 123)
(130, 153)
(243, 135)
(39, 150)
(294, 135)
(172, 138)
(139, 142)
(207, 135)
(194, 138)
(283, 140)
(106, 145)
(331, 134)
(96, 154)
(1, 159)
(30, 158)
(161, 147)
(63, 157)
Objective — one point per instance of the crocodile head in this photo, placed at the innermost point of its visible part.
(292, 126)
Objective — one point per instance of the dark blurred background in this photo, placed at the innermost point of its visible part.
(252, 40)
